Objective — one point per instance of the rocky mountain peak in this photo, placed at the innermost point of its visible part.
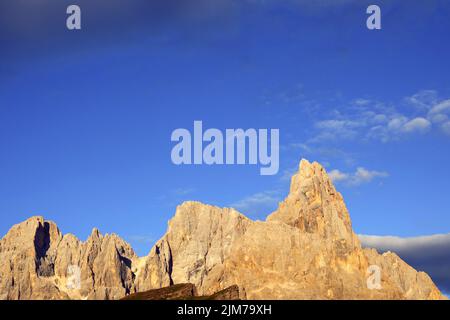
(310, 177)
(37, 262)
(34, 233)
(314, 206)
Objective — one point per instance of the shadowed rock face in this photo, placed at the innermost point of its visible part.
(183, 291)
(175, 292)
(306, 249)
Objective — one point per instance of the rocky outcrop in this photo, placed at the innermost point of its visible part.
(27, 256)
(183, 291)
(306, 249)
(195, 249)
(37, 262)
(230, 293)
(179, 291)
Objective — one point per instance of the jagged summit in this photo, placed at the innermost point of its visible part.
(37, 262)
(308, 170)
(314, 206)
(306, 249)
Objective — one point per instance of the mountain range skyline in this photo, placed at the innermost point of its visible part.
(426, 253)
(306, 249)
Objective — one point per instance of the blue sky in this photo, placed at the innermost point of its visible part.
(86, 116)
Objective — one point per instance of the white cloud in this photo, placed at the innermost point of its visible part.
(361, 102)
(141, 239)
(422, 100)
(360, 176)
(425, 253)
(446, 127)
(442, 107)
(397, 126)
(365, 119)
(396, 123)
(288, 173)
(336, 129)
(363, 175)
(439, 114)
(336, 175)
(417, 125)
(258, 204)
(398, 244)
(438, 118)
(322, 154)
(337, 124)
(380, 118)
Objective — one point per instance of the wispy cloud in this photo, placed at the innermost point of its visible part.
(439, 115)
(337, 129)
(366, 119)
(446, 127)
(422, 100)
(324, 153)
(426, 253)
(360, 176)
(435, 110)
(183, 191)
(398, 126)
(361, 102)
(144, 239)
(259, 204)
(287, 174)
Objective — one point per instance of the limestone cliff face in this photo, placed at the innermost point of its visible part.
(195, 249)
(36, 262)
(305, 250)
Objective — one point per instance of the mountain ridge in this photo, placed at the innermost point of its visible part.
(306, 249)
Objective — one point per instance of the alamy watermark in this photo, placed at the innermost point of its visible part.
(373, 22)
(73, 281)
(236, 146)
(73, 21)
(374, 279)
